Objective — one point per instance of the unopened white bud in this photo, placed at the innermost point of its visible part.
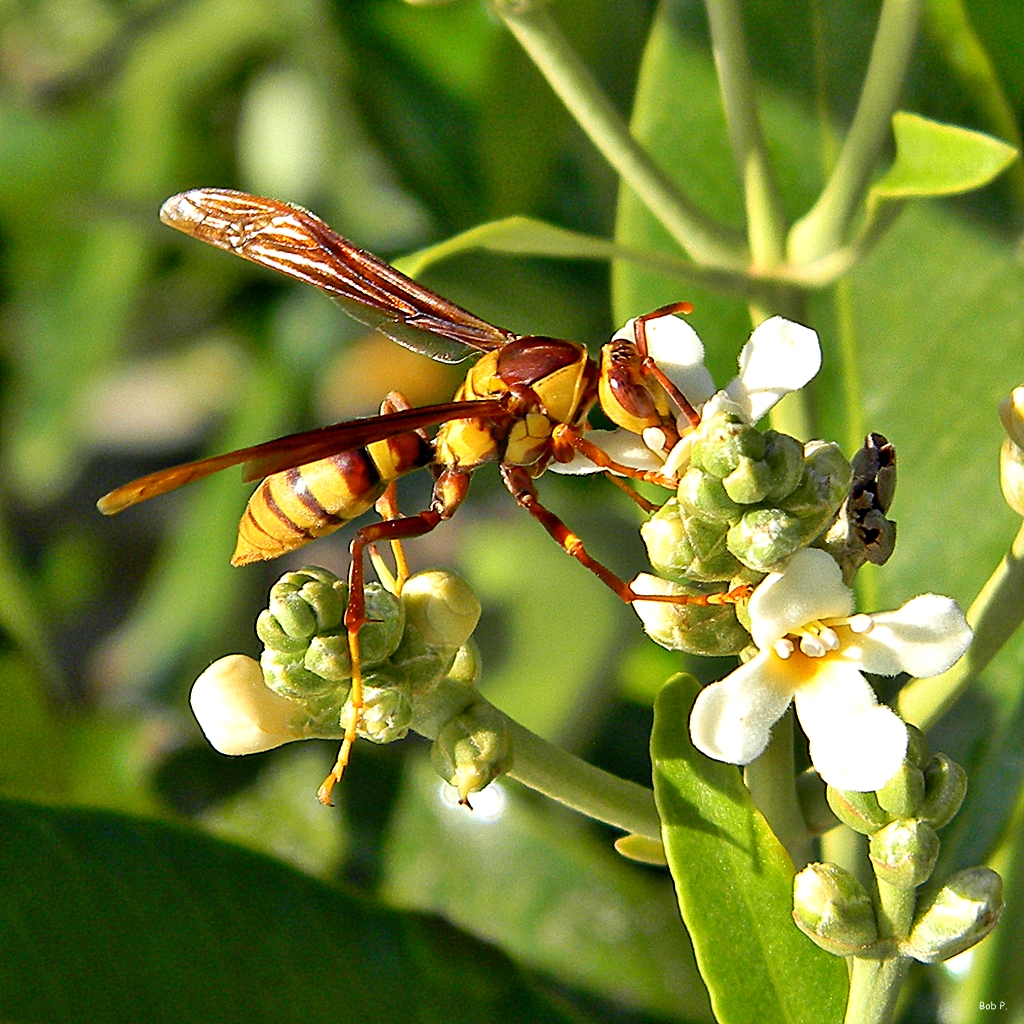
(238, 713)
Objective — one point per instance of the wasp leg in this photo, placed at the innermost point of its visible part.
(387, 503)
(355, 618)
(647, 506)
(651, 367)
(521, 487)
(563, 435)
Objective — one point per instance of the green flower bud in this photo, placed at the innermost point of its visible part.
(1011, 414)
(833, 909)
(387, 706)
(861, 811)
(288, 676)
(945, 788)
(749, 482)
(1011, 474)
(473, 749)
(466, 667)
(784, 456)
(441, 607)
(960, 914)
(904, 852)
(903, 793)
(812, 794)
(703, 495)
(308, 601)
(270, 631)
(706, 630)
(764, 536)
(328, 656)
(723, 441)
(824, 484)
(380, 637)
(422, 664)
(918, 751)
(681, 546)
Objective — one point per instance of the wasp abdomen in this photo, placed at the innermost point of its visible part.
(293, 507)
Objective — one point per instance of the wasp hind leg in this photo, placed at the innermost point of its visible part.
(390, 531)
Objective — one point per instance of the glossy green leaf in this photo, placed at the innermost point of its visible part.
(734, 882)
(535, 881)
(935, 159)
(109, 918)
(527, 236)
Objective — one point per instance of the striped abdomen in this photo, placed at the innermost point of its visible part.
(298, 505)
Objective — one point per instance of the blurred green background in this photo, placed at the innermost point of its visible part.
(127, 347)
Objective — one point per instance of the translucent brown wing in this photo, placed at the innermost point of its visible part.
(297, 449)
(299, 244)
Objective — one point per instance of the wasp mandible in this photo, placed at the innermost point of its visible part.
(523, 405)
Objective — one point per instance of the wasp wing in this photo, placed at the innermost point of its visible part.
(297, 243)
(297, 449)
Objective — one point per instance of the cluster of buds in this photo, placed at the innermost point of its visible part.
(901, 819)
(419, 669)
(746, 501)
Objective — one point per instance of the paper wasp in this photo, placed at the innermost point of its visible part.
(523, 405)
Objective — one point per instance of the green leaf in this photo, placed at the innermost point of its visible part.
(935, 159)
(108, 918)
(527, 236)
(734, 882)
(534, 880)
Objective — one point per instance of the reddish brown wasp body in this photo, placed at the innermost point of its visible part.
(523, 404)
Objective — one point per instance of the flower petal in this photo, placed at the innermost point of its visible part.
(781, 356)
(855, 743)
(679, 352)
(924, 637)
(619, 445)
(236, 710)
(810, 587)
(732, 719)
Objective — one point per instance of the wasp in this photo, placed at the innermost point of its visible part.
(523, 405)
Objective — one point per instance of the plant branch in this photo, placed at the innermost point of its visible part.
(706, 241)
(766, 225)
(548, 769)
(824, 228)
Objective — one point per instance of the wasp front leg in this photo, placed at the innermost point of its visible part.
(650, 367)
(522, 488)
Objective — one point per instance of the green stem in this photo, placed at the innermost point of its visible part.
(875, 984)
(874, 990)
(706, 241)
(571, 781)
(548, 769)
(995, 615)
(766, 223)
(771, 780)
(825, 227)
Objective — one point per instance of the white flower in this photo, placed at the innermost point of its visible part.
(781, 356)
(811, 649)
(238, 712)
